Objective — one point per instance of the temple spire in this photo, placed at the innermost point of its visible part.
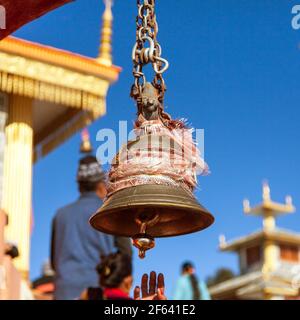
(105, 50)
(269, 209)
(266, 191)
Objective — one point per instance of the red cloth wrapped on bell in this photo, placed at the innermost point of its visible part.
(158, 155)
(16, 13)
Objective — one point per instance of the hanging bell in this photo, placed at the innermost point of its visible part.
(151, 181)
(151, 210)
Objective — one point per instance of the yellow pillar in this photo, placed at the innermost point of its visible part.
(269, 222)
(17, 177)
(269, 265)
(270, 257)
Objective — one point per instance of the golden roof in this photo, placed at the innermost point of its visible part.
(68, 90)
(268, 206)
(268, 209)
(254, 286)
(59, 57)
(278, 235)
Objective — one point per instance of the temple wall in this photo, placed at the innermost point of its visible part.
(3, 118)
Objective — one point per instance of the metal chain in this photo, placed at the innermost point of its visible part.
(147, 50)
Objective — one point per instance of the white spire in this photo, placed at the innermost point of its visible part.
(246, 205)
(222, 240)
(266, 191)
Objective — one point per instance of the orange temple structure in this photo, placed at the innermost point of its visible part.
(269, 259)
(46, 95)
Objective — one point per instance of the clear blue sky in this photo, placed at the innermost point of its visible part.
(234, 71)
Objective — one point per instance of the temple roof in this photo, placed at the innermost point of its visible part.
(269, 210)
(277, 234)
(68, 90)
(59, 57)
(254, 285)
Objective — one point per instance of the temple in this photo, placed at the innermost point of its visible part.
(46, 96)
(269, 259)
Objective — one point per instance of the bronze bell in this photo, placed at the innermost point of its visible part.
(151, 210)
(149, 197)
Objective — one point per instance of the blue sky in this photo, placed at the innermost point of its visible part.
(234, 71)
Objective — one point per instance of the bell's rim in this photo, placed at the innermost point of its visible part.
(183, 203)
(208, 217)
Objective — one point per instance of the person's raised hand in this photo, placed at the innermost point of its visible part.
(155, 290)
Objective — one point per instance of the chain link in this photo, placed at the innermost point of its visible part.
(147, 50)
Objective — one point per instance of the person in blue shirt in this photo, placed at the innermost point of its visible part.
(189, 287)
(76, 248)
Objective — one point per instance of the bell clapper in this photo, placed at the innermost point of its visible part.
(143, 241)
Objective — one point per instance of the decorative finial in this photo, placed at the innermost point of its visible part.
(222, 240)
(105, 51)
(85, 146)
(289, 201)
(246, 205)
(266, 191)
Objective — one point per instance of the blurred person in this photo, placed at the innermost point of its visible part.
(7, 248)
(16, 288)
(188, 287)
(75, 245)
(115, 282)
(11, 250)
(43, 287)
